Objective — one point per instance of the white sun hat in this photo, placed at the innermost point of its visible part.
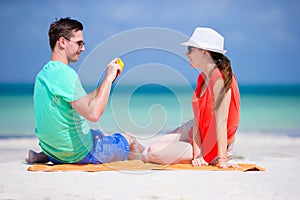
(207, 39)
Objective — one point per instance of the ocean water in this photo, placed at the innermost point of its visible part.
(153, 109)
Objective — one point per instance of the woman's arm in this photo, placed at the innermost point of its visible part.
(221, 120)
(198, 159)
(93, 104)
(197, 147)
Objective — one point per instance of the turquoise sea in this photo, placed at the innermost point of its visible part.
(154, 109)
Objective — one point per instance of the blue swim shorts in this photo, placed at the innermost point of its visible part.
(105, 149)
(108, 148)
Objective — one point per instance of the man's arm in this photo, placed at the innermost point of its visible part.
(93, 104)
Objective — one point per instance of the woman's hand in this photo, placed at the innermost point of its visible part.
(222, 163)
(199, 161)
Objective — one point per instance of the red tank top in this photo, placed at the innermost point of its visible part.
(205, 117)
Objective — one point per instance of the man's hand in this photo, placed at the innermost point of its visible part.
(113, 70)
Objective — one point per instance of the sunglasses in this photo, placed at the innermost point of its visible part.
(79, 43)
(189, 49)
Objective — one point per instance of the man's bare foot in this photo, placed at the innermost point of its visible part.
(34, 157)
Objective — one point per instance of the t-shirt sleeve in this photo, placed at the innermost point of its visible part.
(68, 85)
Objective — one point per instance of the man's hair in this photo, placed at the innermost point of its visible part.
(63, 28)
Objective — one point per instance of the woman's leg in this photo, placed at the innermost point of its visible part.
(183, 130)
(169, 150)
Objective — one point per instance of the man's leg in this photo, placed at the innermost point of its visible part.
(34, 157)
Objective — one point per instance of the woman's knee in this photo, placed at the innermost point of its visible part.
(153, 154)
(180, 152)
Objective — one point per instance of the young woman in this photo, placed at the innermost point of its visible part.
(209, 137)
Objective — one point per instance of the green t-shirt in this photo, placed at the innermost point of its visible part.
(63, 133)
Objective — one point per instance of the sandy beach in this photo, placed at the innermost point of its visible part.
(279, 155)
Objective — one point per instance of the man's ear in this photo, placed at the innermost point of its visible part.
(61, 42)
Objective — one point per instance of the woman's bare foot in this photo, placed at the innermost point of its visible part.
(145, 156)
(136, 151)
(34, 157)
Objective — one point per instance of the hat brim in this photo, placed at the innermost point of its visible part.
(193, 44)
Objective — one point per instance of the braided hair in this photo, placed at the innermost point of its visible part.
(223, 64)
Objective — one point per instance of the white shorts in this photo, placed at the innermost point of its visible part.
(184, 130)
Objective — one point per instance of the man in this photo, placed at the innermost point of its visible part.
(62, 107)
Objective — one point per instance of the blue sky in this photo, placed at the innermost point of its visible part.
(262, 37)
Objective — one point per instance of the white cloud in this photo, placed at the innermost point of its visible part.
(265, 17)
(273, 22)
(237, 37)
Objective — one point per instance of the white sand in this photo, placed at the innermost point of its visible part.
(278, 155)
